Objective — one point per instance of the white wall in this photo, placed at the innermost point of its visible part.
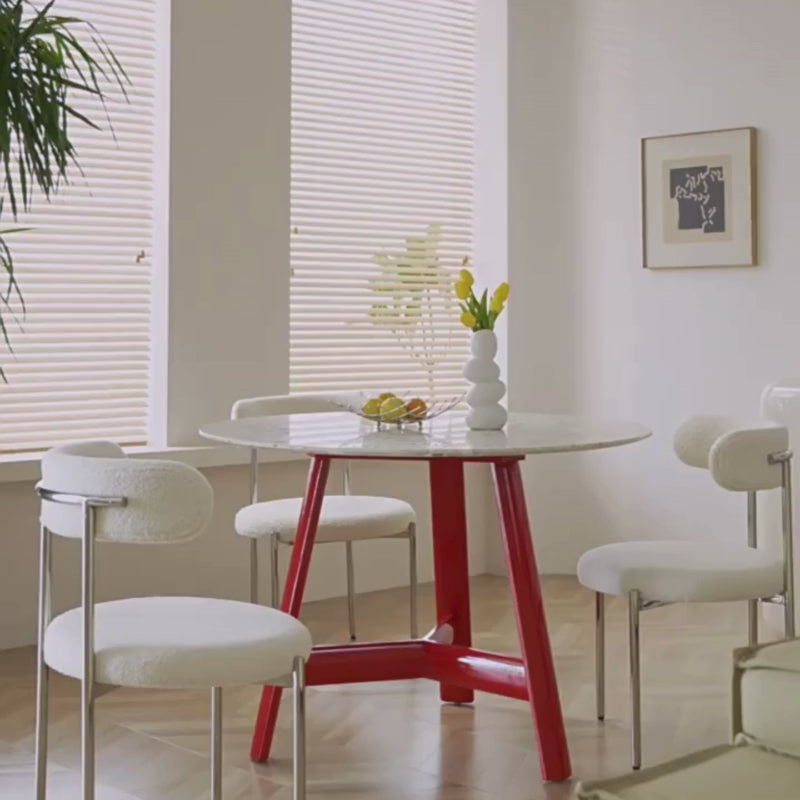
(216, 564)
(588, 79)
(226, 334)
(228, 311)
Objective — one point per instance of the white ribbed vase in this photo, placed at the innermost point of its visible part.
(483, 398)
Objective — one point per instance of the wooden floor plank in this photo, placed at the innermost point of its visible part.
(395, 740)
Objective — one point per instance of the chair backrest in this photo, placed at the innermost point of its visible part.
(740, 454)
(164, 501)
(747, 456)
(276, 404)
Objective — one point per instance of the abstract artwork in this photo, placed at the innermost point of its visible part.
(698, 199)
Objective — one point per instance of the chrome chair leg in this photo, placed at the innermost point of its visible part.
(274, 573)
(600, 654)
(87, 741)
(42, 670)
(216, 743)
(42, 693)
(87, 682)
(351, 599)
(253, 542)
(788, 615)
(788, 548)
(752, 541)
(412, 579)
(299, 765)
(254, 571)
(752, 622)
(634, 604)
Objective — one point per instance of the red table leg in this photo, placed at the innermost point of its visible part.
(451, 571)
(292, 595)
(531, 623)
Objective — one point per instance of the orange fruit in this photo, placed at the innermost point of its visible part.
(416, 408)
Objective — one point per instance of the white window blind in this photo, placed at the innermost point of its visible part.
(382, 179)
(80, 365)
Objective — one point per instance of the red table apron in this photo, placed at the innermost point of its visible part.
(446, 654)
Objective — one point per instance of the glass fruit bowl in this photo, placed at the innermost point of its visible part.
(388, 409)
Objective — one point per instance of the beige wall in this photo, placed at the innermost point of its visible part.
(588, 79)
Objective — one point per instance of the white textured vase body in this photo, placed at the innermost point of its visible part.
(483, 398)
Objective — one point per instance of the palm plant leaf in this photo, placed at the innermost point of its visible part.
(44, 64)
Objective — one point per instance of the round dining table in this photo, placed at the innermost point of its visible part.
(445, 654)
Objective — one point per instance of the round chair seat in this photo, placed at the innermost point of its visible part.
(674, 571)
(343, 518)
(179, 642)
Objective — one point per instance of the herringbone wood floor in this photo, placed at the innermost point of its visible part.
(395, 740)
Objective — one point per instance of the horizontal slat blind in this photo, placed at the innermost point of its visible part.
(382, 177)
(80, 365)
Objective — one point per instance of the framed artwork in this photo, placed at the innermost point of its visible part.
(698, 199)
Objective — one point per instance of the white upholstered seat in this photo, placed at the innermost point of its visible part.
(180, 642)
(343, 518)
(676, 571)
(92, 492)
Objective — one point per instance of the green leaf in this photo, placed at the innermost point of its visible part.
(44, 68)
(483, 319)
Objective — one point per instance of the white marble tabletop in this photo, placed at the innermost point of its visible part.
(447, 436)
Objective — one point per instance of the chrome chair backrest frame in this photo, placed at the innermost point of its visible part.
(311, 403)
(271, 406)
(88, 505)
(747, 456)
(132, 512)
(742, 456)
(190, 496)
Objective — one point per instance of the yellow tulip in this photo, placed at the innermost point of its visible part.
(502, 291)
(465, 276)
(496, 305)
(468, 320)
(462, 290)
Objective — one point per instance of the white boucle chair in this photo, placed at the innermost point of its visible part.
(92, 492)
(743, 457)
(344, 518)
(763, 761)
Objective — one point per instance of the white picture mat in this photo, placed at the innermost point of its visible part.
(738, 251)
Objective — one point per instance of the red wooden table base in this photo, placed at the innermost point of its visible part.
(446, 654)
(461, 667)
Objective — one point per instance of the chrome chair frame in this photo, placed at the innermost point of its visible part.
(89, 505)
(410, 533)
(637, 604)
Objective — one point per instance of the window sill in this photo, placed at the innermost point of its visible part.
(27, 466)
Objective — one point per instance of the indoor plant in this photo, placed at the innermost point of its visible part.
(44, 67)
(411, 289)
(480, 315)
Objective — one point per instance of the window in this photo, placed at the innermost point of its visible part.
(80, 367)
(382, 192)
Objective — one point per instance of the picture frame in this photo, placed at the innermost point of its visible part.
(699, 199)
